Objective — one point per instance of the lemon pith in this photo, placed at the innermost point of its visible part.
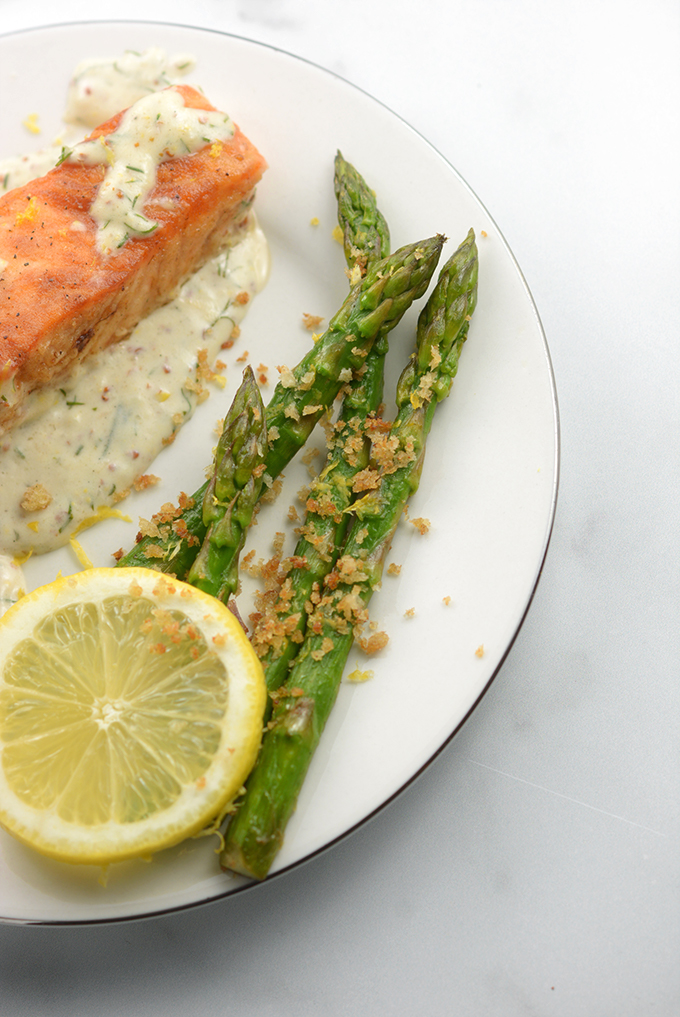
(130, 714)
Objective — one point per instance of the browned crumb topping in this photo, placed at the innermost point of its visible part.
(247, 564)
(479, 652)
(421, 524)
(233, 336)
(393, 570)
(35, 498)
(410, 613)
(390, 455)
(168, 526)
(146, 480)
(326, 647)
(242, 298)
(204, 372)
(287, 379)
(446, 600)
(272, 621)
(311, 321)
(154, 551)
(350, 570)
(366, 480)
(374, 643)
(273, 489)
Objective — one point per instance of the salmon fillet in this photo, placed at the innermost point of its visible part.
(61, 299)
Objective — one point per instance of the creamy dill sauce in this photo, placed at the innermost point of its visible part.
(86, 443)
(156, 128)
(101, 88)
(97, 91)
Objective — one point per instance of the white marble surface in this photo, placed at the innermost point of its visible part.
(533, 869)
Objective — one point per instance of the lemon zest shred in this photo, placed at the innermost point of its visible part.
(81, 553)
(29, 214)
(31, 123)
(103, 512)
(360, 675)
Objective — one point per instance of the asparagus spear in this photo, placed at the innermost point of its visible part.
(365, 232)
(256, 832)
(278, 635)
(374, 306)
(279, 632)
(232, 492)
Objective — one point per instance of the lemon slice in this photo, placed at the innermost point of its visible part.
(131, 713)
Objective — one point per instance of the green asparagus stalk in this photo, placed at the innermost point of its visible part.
(365, 232)
(278, 635)
(373, 307)
(256, 832)
(232, 492)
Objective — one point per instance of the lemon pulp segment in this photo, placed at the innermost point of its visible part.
(130, 714)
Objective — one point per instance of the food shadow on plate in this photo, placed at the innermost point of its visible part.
(186, 865)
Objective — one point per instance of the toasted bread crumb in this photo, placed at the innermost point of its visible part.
(311, 321)
(146, 480)
(35, 498)
(422, 525)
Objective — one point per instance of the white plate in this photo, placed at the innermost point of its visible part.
(490, 479)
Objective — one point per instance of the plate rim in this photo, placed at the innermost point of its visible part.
(234, 891)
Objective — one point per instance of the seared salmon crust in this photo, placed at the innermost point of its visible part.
(61, 299)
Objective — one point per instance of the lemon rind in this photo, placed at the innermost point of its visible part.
(196, 806)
